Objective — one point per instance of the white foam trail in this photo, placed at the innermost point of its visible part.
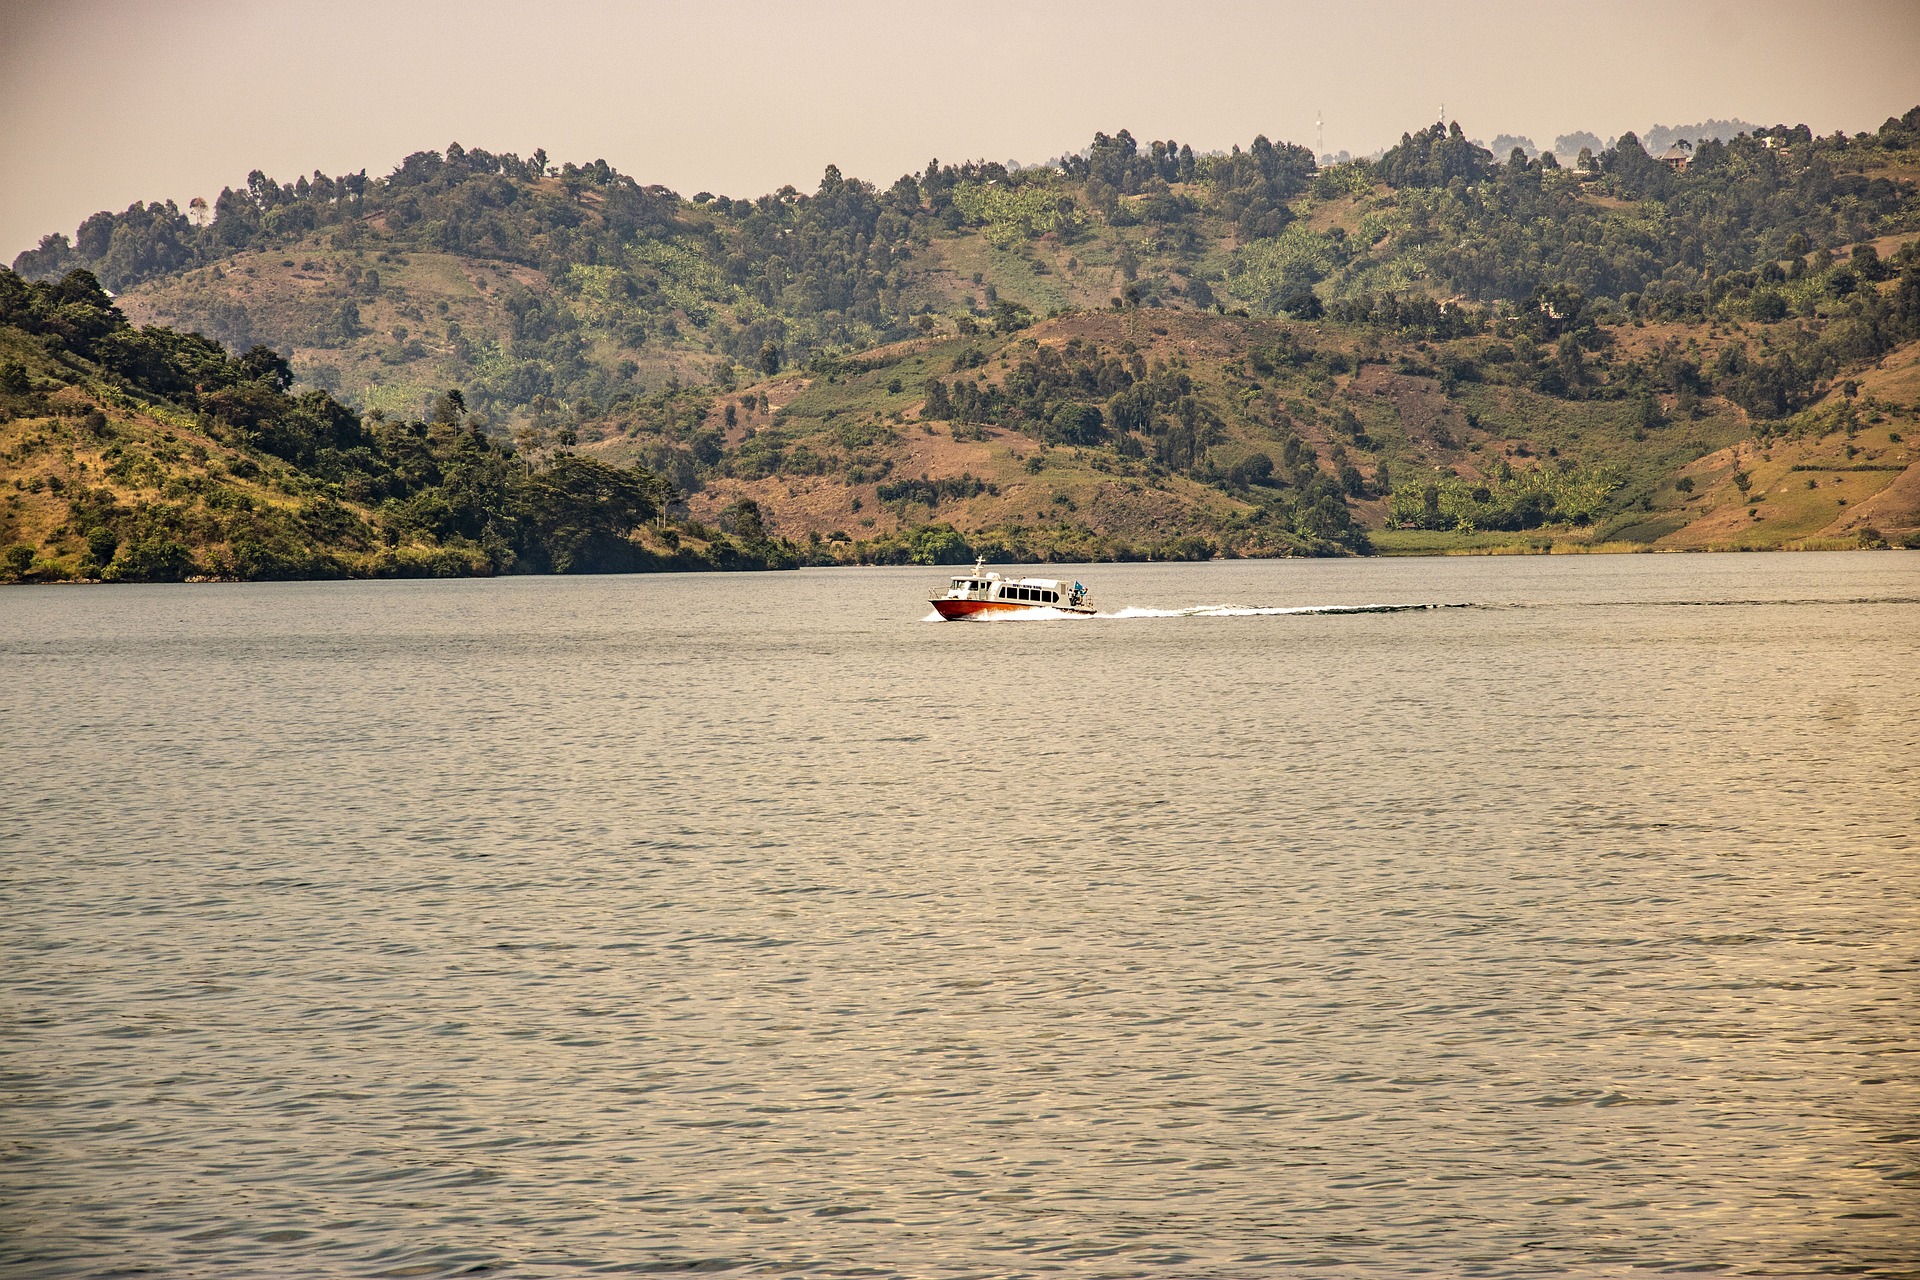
(1267, 611)
(1041, 613)
(1045, 614)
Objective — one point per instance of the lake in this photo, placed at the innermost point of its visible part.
(752, 924)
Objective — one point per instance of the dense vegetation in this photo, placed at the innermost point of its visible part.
(259, 481)
(1135, 350)
(626, 271)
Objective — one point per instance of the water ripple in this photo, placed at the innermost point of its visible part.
(743, 925)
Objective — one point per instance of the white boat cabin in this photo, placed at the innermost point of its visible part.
(1042, 592)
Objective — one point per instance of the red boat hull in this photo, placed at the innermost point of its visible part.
(983, 610)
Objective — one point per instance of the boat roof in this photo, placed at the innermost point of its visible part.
(983, 574)
(1051, 583)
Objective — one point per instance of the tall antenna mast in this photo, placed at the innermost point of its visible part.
(1320, 129)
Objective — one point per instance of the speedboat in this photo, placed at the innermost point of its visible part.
(981, 595)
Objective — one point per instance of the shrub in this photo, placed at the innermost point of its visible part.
(938, 544)
(16, 562)
(156, 558)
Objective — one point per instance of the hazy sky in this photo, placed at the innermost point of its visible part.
(105, 102)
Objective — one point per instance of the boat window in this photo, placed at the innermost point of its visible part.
(1050, 597)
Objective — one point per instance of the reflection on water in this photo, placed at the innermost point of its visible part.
(745, 922)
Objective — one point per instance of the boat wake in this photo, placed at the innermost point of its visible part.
(1041, 613)
(1270, 611)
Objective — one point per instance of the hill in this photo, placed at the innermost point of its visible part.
(1283, 437)
(540, 289)
(1138, 351)
(142, 455)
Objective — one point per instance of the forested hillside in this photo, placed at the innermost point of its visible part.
(1137, 350)
(145, 455)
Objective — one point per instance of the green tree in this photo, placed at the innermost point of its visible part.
(1078, 424)
(938, 406)
(102, 542)
(938, 544)
(749, 524)
(449, 408)
(154, 558)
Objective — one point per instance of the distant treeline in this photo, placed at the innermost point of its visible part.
(831, 257)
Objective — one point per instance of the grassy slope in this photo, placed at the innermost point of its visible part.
(290, 297)
(855, 417)
(1815, 491)
(81, 440)
(854, 420)
(409, 349)
(144, 455)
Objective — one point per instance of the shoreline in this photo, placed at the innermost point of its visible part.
(1488, 550)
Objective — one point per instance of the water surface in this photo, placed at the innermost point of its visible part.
(748, 923)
